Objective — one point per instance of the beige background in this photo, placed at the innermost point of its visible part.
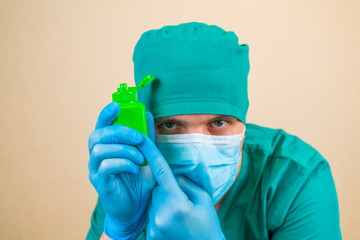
(60, 61)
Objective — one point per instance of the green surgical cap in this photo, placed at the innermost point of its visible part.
(198, 69)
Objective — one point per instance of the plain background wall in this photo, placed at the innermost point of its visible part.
(60, 61)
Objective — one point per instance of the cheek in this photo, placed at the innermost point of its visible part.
(232, 130)
(239, 128)
(156, 130)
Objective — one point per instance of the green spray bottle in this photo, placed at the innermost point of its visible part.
(132, 113)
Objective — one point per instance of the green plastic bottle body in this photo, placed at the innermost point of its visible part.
(132, 114)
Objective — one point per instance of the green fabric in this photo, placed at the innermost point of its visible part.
(284, 190)
(190, 61)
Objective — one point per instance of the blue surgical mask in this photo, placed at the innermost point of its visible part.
(208, 160)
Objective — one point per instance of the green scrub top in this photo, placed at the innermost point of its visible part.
(284, 190)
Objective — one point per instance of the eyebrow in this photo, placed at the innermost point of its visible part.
(162, 120)
(159, 121)
(224, 117)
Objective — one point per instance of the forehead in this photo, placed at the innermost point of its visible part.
(196, 118)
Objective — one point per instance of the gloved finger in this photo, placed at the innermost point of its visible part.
(152, 231)
(163, 209)
(104, 151)
(150, 125)
(160, 168)
(107, 115)
(117, 166)
(157, 197)
(115, 134)
(193, 191)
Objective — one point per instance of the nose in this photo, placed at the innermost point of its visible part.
(197, 129)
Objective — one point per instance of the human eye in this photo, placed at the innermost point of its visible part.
(168, 125)
(219, 124)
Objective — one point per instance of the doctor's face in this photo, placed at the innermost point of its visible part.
(209, 124)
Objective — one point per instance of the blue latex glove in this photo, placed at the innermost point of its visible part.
(180, 208)
(123, 187)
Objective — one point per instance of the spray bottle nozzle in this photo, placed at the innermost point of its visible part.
(147, 79)
(123, 87)
(125, 93)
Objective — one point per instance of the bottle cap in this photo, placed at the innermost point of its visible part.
(126, 94)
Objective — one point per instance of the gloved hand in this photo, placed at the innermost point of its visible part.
(123, 187)
(180, 208)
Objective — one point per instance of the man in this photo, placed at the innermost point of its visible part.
(203, 180)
